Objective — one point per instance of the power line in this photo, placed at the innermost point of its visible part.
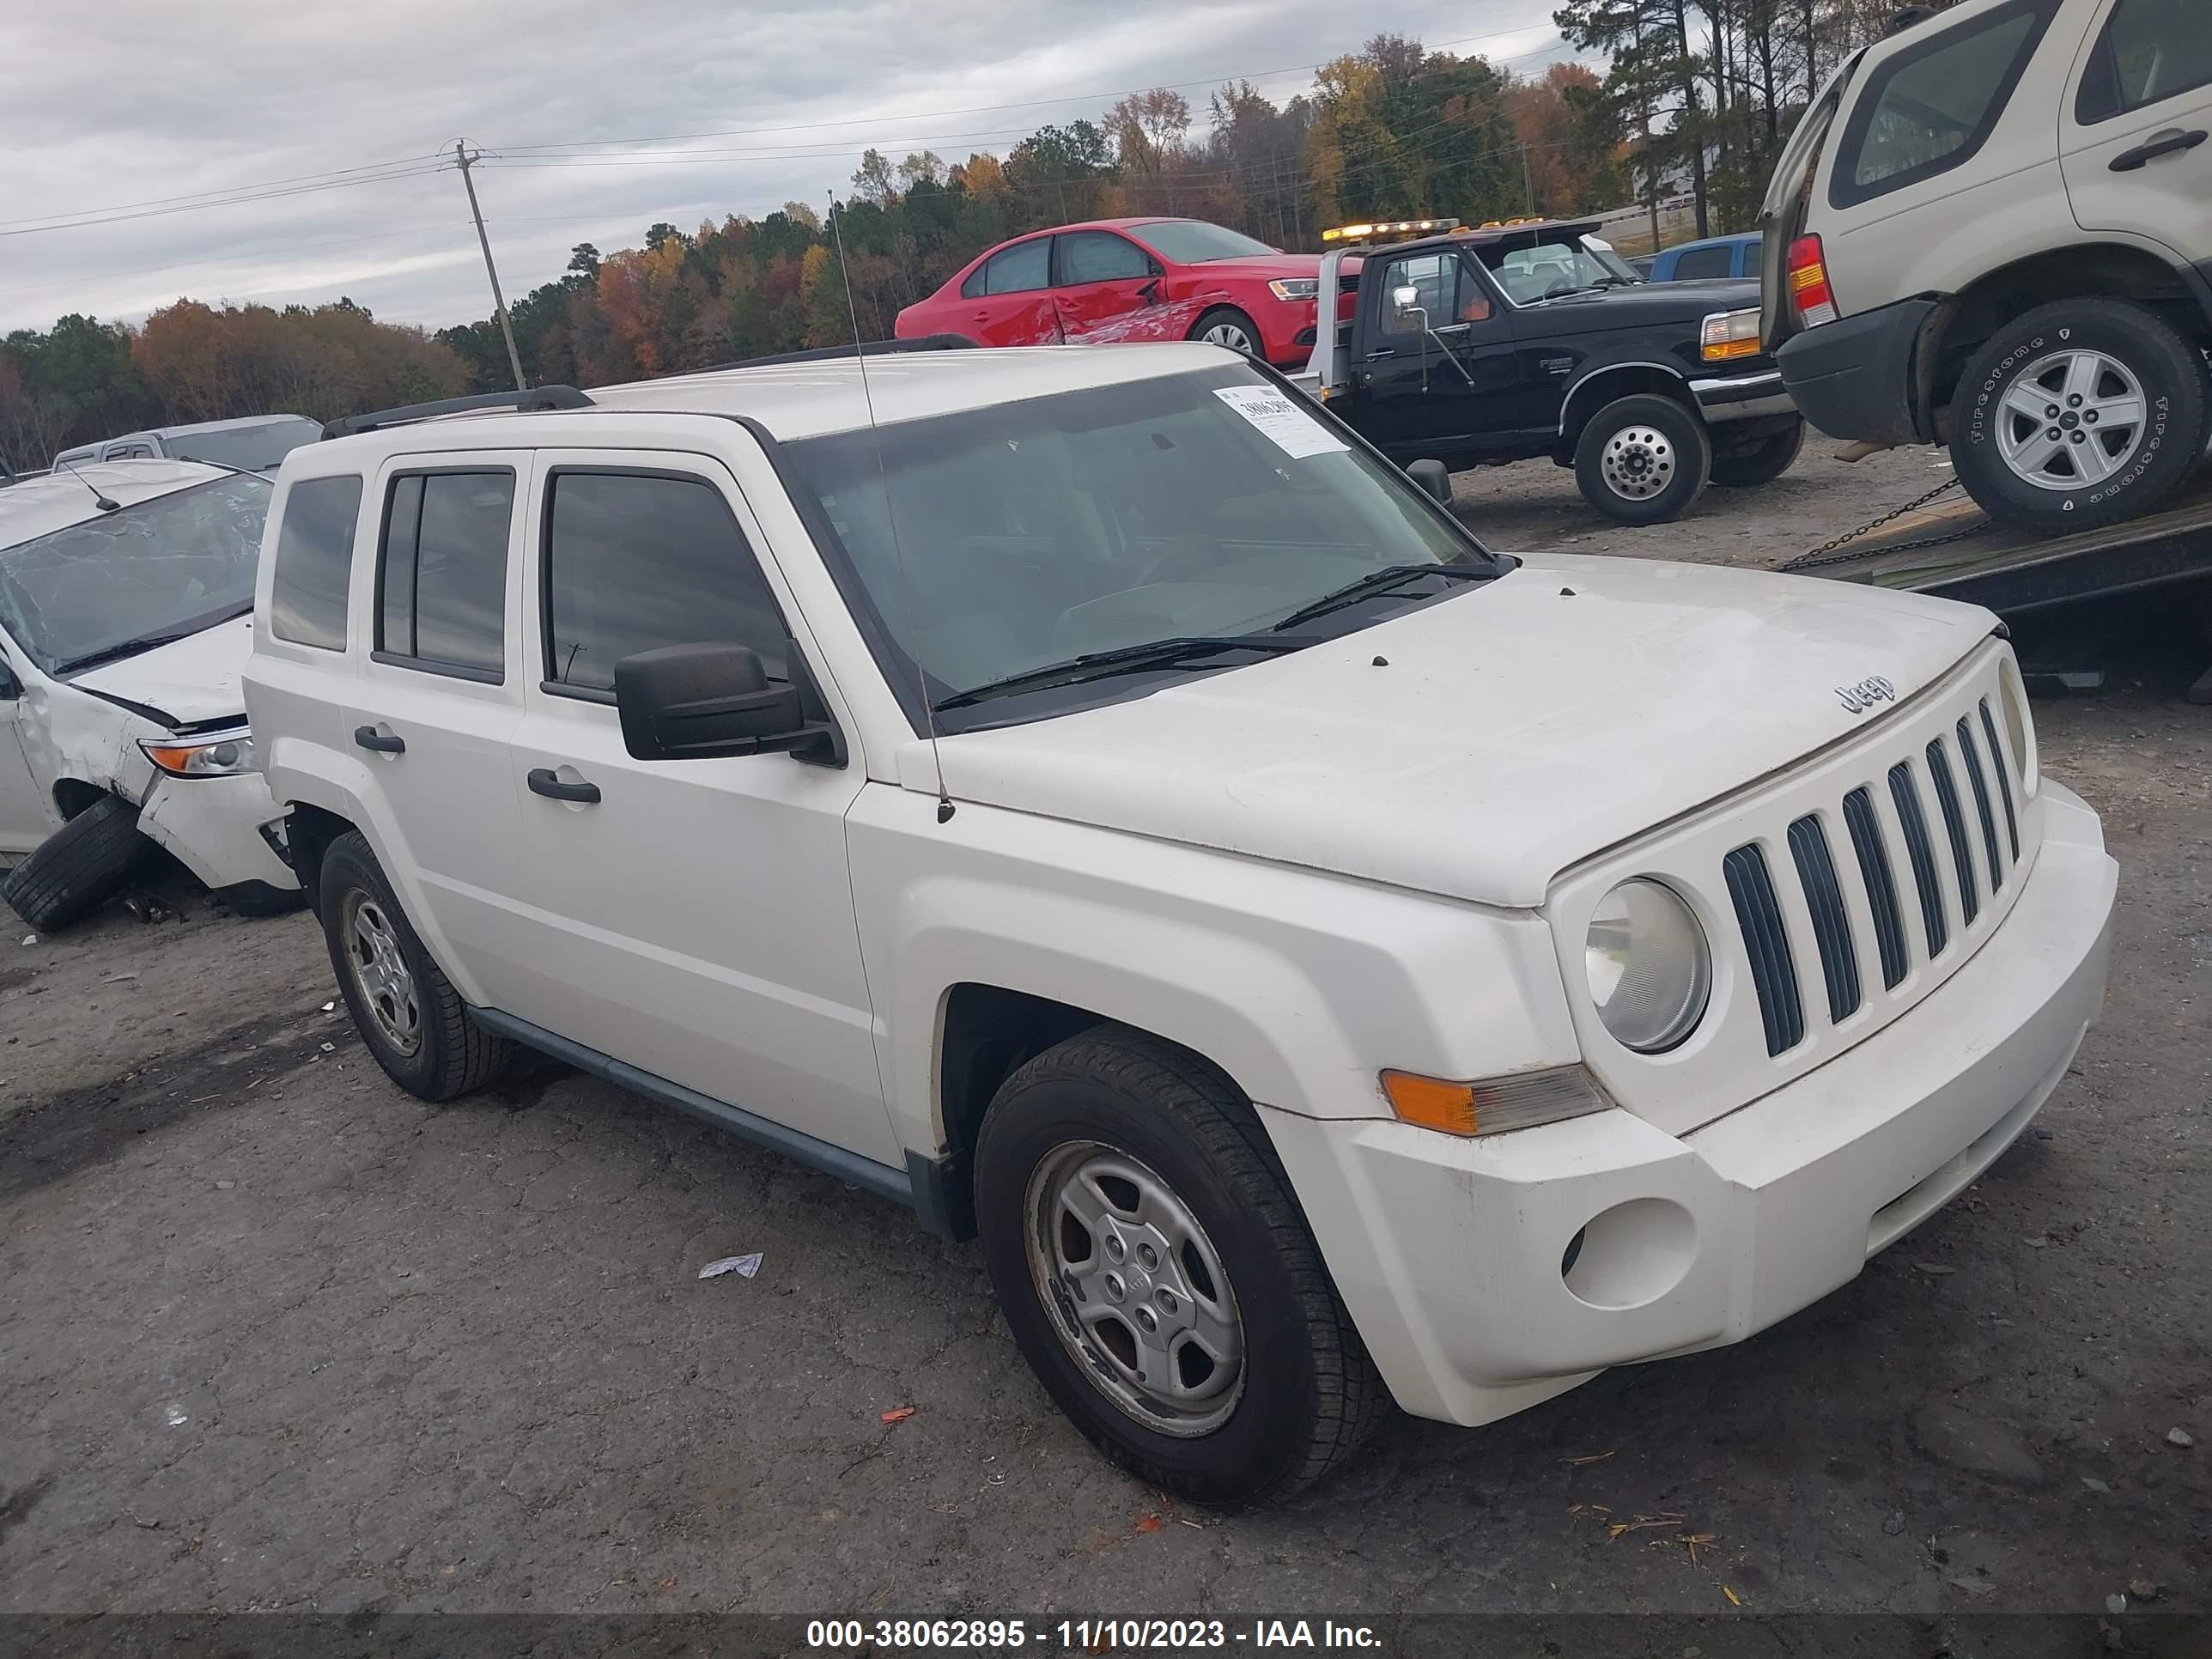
(231, 201)
(210, 196)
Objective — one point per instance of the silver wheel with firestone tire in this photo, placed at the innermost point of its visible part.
(1226, 327)
(2079, 414)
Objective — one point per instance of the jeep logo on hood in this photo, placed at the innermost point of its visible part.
(1863, 697)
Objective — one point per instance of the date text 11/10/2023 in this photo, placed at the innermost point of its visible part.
(1084, 1635)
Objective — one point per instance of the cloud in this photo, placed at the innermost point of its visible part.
(586, 109)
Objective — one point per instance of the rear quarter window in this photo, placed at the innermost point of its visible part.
(1932, 106)
(314, 562)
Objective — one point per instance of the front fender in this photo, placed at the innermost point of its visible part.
(1301, 987)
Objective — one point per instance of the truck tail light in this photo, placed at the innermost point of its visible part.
(1809, 282)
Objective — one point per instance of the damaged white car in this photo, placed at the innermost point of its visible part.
(126, 594)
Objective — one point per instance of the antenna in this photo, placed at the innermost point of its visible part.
(99, 499)
(891, 506)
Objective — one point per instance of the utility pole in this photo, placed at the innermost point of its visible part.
(1527, 182)
(463, 159)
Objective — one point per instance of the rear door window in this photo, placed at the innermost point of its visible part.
(442, 578)
(314, 562)
(1020, 269)
(2149, 51)
(1932, 106)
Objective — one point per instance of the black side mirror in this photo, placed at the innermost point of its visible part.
(708, 702)
(1431, 476)
(1151, 291)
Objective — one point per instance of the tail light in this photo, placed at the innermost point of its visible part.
(1809, 282)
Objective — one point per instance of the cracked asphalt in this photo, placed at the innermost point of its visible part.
(276, 1337)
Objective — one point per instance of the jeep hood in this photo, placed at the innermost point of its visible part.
(1514, 729)
(188, 682)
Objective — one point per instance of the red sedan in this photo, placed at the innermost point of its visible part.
(1132, 279)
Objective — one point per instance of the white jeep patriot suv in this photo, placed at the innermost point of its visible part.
(1090, 796)
(1994, 229)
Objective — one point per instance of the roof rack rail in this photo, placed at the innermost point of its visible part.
(530, 402)
(870, 348)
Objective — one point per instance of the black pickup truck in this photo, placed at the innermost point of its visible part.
(1521, 340)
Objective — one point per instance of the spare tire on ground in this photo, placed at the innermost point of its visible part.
(78, 865)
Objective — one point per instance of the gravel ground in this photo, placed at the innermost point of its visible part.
(275, 1336)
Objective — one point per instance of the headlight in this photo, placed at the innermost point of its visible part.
(1729, 334)
(218, 757)
(1650, 971)
(1295, 287)
(2019, 729)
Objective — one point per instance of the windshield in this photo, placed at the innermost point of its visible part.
(1550, 268)
(258, 447)
(158, 569)
(1203, 504)
(1194, 242)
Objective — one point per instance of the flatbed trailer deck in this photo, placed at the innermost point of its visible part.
(1950, 549)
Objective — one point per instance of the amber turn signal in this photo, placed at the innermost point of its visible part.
(1493, 1105)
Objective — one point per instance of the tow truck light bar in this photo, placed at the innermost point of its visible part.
(1388, 227)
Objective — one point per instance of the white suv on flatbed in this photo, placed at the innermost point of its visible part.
(1090, 796)
(1994, 230)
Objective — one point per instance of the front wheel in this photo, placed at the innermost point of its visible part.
(1644, 460)
(1226, 325)
(1158, 1276)
(2082, 413)
(1762, 461)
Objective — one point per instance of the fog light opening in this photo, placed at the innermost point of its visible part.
(1630, 1256)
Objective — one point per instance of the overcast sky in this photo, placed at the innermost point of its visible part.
(119, 116)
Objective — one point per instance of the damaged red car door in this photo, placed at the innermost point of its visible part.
(1106, 288)
(1010, 301)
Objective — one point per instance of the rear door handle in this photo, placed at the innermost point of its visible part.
(2165, 143)
(383, 743)
(544, 781)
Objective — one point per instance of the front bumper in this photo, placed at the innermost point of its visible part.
(1450, 1254)
(1743, 396)
(1853, 377)
(213, 826)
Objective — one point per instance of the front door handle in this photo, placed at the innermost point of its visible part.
(384, 742)
(2165, 143)
(546, 782)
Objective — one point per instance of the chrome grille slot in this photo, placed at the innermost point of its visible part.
(1831, 925)
(2003, 771)
(1972, 755)
(1766, 941)
(1881, 885)
(1955, 826)
(1905, 793)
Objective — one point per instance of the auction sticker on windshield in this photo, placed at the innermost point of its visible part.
(1291, 429)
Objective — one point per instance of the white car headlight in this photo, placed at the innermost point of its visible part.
(1650, 971)
(1295, 287)
(218, 755)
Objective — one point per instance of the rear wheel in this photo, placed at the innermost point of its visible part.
(2081, 413)
(1226, 325)
(78, 865)
(1643, 459)
(1762, 461)
(407, 1012)
(1158, 1276)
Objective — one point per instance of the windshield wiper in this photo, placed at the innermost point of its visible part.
(131, 648)
(1125, 660)
(1379, 581)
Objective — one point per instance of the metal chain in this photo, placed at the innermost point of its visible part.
(1826, 553)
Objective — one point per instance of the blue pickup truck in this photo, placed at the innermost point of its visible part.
(1697, 262)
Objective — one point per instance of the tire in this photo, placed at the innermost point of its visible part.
(1303, 1393)
(1764, 462)
(1648, 443)
(78, 865)
(450, 1054)
(2086, 357)
(1226, 325)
